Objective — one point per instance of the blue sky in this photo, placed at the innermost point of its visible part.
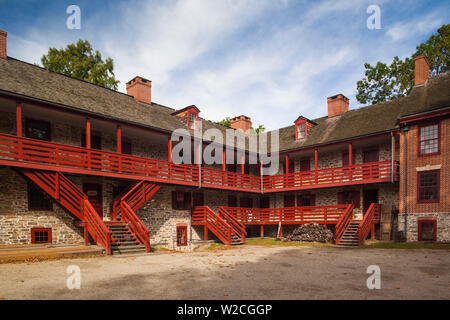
(270, 60)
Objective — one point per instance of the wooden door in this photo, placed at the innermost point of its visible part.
(198, 200)
(305, 165)
(95, 196)
(264, 203)
(371, 155)
(369, 197)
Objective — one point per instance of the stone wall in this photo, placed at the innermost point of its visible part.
(16, 220)
(442, 224)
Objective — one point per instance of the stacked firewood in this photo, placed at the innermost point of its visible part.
(311, 232)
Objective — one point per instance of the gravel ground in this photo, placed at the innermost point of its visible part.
(248, 272)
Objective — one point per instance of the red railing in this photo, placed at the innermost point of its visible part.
(238, 227)
(136, 225)
(368, 221)
(80, 159)
(289, 215)
(354, 173)
(343, 223)
(205, 216)
(96, 227)
(216, 178)
(50, 153)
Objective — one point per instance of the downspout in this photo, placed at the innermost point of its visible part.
(405, 176)
(392, 157)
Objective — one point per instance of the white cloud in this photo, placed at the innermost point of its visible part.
(413, 28)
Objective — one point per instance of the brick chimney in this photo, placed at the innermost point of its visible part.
(421, 70)
(337, 105)
(3, 53)
(241, 123)
(140, 89)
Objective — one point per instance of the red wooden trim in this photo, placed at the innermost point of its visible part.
(169, 150)
(184, 243)
(286, 164)
(419, 127)
(438, 186)
(419, 226)
(119, 139)
(88, 133)
(223, 161)
(424, 115)
(33, 235)
(350, 154)
(316, 159)
(19, 119)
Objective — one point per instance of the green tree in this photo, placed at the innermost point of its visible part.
(384, 82)
(81, 62)
(227, 123)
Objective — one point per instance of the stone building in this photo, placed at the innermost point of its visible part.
(83, 164)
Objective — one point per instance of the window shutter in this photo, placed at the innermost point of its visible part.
(356, 197)
(187, 201)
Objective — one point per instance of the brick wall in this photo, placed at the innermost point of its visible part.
(415, 210)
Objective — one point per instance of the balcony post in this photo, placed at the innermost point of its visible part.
(286, 164)
(262, 231)
(316, 163)
(119, 139)
(88, 133)
(350, 162)
(223, 161)
(19, 119)
(169, 150)
(242, 164)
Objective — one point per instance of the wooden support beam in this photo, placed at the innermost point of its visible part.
(205, 233)
(88, 133)
(316, 159)
(19, 119)
(86, 235)
(169, 150)
(262, 231)
(242, 164)
(223, 161)
(119, 139)
(350, 154)
(287, 164)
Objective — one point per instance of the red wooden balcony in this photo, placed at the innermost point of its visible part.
(289, 215)
(43, 155)
(373, 172)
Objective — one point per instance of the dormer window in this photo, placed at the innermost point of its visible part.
(301, 131)
(302, 125)
(189, 116)
(193, 119)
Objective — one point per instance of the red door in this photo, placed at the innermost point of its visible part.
(305, 165)
(94, 193)
(371, 155)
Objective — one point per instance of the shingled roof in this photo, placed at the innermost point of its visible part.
(33, 81)
(374, 119)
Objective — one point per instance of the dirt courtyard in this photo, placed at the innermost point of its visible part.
(248, 272)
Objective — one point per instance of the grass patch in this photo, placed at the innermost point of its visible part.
(405, 245)
(274, 242)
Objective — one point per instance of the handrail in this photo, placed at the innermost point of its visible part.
(96, 227)
(343, 223)
(237, 227)
(367, 223)
(15, 148)
(137, 226)
(214, 222)
(288, 215)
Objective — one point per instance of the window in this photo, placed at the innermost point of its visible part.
(301, 131)
(181, 200)
(345, 158)
(36, 129)
(38, 199)
(126, 147)
(306, 200)
(40, 235)
(181, 236)
(427, 230)
(96, 141)
(429, 139)
(428, 186)
(192, 121)
(349, 197)
(305, 165)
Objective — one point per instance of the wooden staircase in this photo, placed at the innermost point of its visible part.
(129, 232)
(350, 237)
(69, 196)
(223, 225)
